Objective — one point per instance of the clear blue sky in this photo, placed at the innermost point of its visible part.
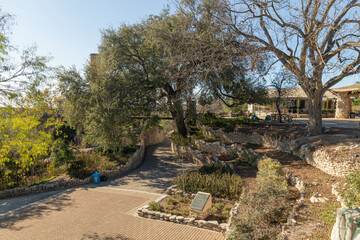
(69, 30)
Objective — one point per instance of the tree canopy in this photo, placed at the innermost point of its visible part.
(149, 68)
(318, 41)
(29, 69)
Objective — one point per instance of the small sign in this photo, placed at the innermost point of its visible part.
(201, 202)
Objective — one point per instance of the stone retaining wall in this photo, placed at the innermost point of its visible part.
(151, 137)
(194, 155)
(316, 157)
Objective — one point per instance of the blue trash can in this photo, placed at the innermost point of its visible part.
(96, 178)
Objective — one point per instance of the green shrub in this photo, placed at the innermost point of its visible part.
(180, 140)
(220, 183)
(266, 206)
(216, 207)
(271, 173)
(64, 132)
(246, 230)
(211, 120)
(124, 150)
(351, 192)
(183, 199)
(271, 178)
(155, 206)
(55, 170)
(77, 169)
(269, 167)
(220, 211)
(217, 168)
(86, 164)
(249, 158)
(129, 149)
(226, 210)
(170, 201)
(60, 154)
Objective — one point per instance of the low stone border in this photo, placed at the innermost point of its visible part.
(210, 225)
(295, 181)
(153, 136)
(299, 185)
(335, 190)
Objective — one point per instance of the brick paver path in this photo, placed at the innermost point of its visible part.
(106, 211)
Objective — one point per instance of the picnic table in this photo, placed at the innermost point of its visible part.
(284, 117)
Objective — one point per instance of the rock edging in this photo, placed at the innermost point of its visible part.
(210, 225)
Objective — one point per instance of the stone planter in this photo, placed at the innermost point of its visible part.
(210, 225)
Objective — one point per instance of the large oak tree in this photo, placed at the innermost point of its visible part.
(317, 40)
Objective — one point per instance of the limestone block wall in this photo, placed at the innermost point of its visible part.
(193, 155)
(214, 147)
(318, 158)
(154, 136)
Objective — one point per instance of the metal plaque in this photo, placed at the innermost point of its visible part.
(200, 201)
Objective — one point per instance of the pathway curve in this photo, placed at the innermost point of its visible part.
(105, 211)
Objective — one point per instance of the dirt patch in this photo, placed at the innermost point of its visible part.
(314, 220)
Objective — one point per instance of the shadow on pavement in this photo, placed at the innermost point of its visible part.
(56, 203)
(155, 174)
(96, 236)
(157, 171)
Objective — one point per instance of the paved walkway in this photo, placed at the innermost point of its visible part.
(333, 122)
(104, 211)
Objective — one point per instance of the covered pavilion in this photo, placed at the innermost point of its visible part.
(343, 103)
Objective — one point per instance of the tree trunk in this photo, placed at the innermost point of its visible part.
(315, 114)
(176, 109)
(277, 103)
(177, 113)
(180, 124)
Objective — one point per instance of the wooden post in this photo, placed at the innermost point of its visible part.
(298, 105)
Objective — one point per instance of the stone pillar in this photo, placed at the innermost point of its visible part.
(343, 105)
(345, 226)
